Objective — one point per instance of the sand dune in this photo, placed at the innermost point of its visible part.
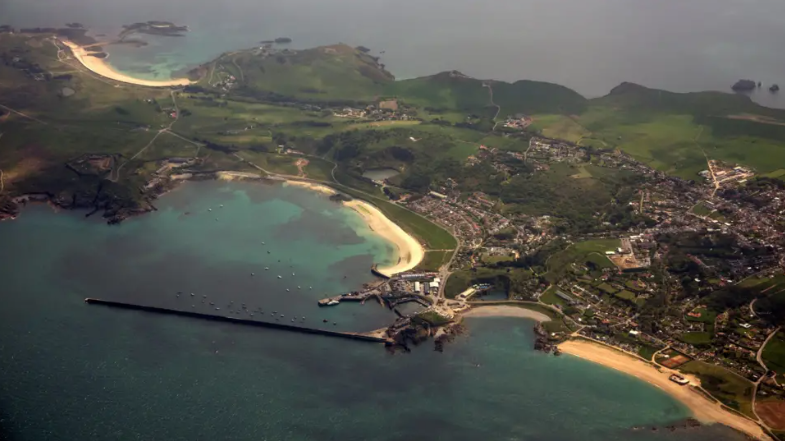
(703, 409)
(410, 251)
(100, 67)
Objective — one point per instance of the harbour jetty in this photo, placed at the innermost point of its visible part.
(238, 321)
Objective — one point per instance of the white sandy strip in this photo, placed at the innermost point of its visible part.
(702, 409)
(410, 252)
(100, 67)
(505, 311)
(311, 186)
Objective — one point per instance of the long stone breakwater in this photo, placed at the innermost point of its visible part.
(238, 321)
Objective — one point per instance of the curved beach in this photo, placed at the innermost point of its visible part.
(410, 252)
(504, 311)
(703, 410)
(99, 66)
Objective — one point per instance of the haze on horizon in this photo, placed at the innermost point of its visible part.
(590, 46)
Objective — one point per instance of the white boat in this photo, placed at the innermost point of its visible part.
(279, 277)
(678, 379)
(332, 303)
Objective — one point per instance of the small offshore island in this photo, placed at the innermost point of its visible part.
(606, 221)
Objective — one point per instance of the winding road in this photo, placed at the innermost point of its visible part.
(498, 107)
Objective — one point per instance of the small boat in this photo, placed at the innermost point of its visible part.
(253, 274)
(310, 287)
(298, 286)
(281, 315)
(217, 308)
(268, 252)
(212, 304)
(192, 294)
(678, 379)
(287, 289)
(209, 209)
(262, 243)
(279, 277)
(292, 273)
(332, 302)
(266, 268)
(292, 319)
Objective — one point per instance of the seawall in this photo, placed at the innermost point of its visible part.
(237, 321)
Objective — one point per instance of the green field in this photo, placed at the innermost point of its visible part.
(579, 253)
(732, 390)
(625, 295)
(550, 297)
(696, 338)
(559, 127)
(433, 260)
(774, 353)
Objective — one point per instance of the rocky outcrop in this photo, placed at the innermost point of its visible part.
(744, 86)
(8, 208)
(448, 334)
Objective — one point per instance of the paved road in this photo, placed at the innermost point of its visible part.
(160, 132)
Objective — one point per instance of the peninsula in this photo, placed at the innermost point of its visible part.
(646, 220)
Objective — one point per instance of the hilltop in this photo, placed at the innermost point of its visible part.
(328, 73)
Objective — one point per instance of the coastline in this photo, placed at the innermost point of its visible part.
(504, 311)
(702, 409)
(311, 186)
(99, 66)
(410, 251)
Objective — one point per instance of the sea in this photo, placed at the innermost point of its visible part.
(588, 45)
(74, 371)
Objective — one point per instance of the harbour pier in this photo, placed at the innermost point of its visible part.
(239, 321)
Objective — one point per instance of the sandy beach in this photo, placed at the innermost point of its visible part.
(703, 410)
(505, 311)
(100, 67)
(312, 186)
(410, 251)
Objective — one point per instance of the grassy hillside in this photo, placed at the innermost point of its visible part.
(675, 132)
(530, 97)
(455, 91)
(337, 72)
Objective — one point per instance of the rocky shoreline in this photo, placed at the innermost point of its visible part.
(115, 209)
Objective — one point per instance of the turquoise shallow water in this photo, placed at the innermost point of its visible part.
(70, 371)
